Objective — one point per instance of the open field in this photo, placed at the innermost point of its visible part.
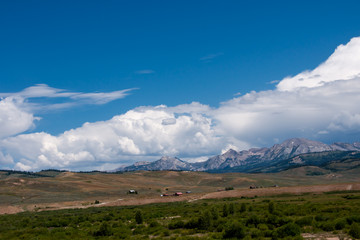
(333, 216)
(58, 190)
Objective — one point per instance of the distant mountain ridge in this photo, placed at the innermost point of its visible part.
(164, 163)
(273, 159)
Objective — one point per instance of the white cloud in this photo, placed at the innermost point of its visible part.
(17, 111)
(343, 64)
(13, 119)
(259, 117)
(139, 132)
(73, 98)
(168, 121)
(322, 105)
(6, 159)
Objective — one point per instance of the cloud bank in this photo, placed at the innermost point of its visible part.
(319, 104)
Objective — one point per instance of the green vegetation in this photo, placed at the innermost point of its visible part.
(277, 217)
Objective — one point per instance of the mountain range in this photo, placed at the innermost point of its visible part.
(289, 154)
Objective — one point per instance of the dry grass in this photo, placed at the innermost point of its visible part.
(79, 190)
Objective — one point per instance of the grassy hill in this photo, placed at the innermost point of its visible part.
(31, 191)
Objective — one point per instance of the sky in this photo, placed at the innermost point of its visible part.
(93, 85)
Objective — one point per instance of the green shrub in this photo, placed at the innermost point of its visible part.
(271, 207)
(243, 208)
(321, 218)
(191, 224)
(214, 213)
(290, 229)
(305, 221)
(352, 219)
(231, 208)
(225, 212)
(154, 224)
(355, 230)
(328, 226)
(176, 224)
(204, 221)
(234, 230)
(340, 224)
(138, 217)
(256, 233)
(253, 220)
(104, 230)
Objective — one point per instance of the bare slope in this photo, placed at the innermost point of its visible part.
(53, 190)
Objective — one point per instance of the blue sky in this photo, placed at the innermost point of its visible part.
(169, 53)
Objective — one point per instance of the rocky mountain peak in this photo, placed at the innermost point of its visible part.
(243, 161)
(168, 159)
(229, 153)
(141, 163)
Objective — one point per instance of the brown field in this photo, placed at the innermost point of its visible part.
(80, 190)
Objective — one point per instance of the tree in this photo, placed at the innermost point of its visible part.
(138, 217)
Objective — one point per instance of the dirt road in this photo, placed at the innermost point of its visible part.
(139, 200)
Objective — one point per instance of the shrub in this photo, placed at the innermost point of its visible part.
(321, 218)
(176, 224)
(104, 230)
(355, 230)
(225, 211)
(271, 207)
(204, 221)
(214, 213)
(352, 219)
(340, 224)
(243, 208)
(305, 221)
(328, 226)
(262, 227)
(138, 217)
(256, 233)
(231, 208)
(234, 230)
(290, 229)
(154, 224)
(253, 220)
(191, 224)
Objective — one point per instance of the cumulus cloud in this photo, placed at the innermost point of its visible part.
(343, 64)
(169, 121)
(17, 109)
(259, 117)
(319, 104)
(13, 119)
(139, 132)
